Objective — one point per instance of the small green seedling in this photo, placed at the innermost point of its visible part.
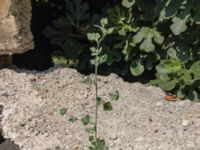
(63, 111)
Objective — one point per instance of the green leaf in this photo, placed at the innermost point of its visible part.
(98, 144)
(107, 106)
(158, 38)
(86, 120)
(72, 119)
(110, 30)
(172, 52)
(99, 101)
(169, 66)
(128, 3)
(179, 25)
(187, 77)
(104, 21)
(114, 95)
(163, 76)
(77, 11)
(103, 58)
(139, 36)
(136, 68)
(171, 8)
(146, 35)
(195, 69)
(63, 111)
(147, 45)
(93, 36)
(168, 86)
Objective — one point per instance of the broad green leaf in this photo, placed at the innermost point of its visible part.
(128, 3)
(172, 52)
(179, 25)
(162, 69)
(104, 21)
(107, 106)
(155, 82)
(169, 66)
(187, 77)
(86, 120)
(158, 38)
(136, 68)
(147, 45)
(146, 35)
(163, 76)
(93, 36)
(195, 69)
(139, 36)
(168, 86)
(63, 111)
(171, 8)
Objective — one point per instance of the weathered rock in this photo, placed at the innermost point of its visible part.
(15, 22)
(141, 119)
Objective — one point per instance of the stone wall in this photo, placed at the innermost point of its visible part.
(15, 26)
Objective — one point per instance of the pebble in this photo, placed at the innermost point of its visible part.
(185, 123)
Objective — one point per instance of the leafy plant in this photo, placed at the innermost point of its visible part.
(180, 76)
(68, 33)
(160, 36)
(145, 37)
(98, 59)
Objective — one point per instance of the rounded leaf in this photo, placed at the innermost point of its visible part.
(195, 68)
(86, 120)
(178, 26)
(168, 85)
(128, 3)
(147, 45)
(136, 68)
(107, 106)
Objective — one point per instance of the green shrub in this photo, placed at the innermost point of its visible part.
(161, 35)
(157, 35)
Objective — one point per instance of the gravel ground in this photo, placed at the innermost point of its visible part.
(141, 119)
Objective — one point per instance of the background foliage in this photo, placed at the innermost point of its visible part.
(158, 37)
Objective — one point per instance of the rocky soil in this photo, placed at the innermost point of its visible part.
(141, 119)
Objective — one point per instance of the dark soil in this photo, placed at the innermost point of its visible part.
(8, 145)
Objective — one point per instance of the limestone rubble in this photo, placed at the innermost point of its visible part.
(15, 26)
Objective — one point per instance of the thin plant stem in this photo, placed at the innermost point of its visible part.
(96, 103)
(96, 86)
(96, 90)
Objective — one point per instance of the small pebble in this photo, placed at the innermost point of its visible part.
(185, 123)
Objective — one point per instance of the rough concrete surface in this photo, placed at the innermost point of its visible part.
(141, 119)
